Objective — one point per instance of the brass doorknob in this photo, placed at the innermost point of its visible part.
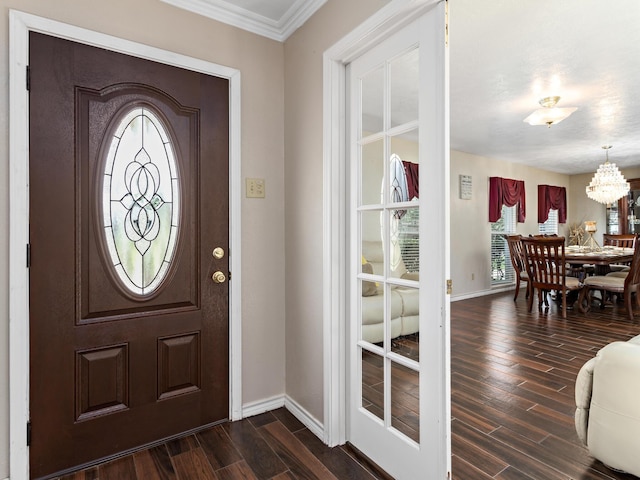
(218, 253)
(219, 277)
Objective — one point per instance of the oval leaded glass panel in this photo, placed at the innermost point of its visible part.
(141, 201)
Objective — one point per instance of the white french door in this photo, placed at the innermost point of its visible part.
(399, 251)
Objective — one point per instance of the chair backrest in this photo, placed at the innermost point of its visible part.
(515, 252)
(622, 240)
(632, 281)
(545, 261)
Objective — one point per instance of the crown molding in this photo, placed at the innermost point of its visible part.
(231, 14)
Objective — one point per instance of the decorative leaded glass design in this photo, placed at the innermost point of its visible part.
(399, 190)
(141, 201)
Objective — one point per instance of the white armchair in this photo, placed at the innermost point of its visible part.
(607, 416)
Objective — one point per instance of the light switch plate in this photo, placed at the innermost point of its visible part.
(255, 187)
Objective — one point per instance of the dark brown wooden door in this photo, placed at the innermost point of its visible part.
(128, 200)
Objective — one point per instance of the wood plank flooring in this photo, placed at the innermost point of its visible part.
(512, 382)
(274, 445)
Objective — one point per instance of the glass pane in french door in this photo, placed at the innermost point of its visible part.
(405, 400)
(372, 171)
(373, 383)
(373, 296)
(407, 344)
(403, 88)
(372, 89)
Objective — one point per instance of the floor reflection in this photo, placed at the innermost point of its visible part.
(405, 387)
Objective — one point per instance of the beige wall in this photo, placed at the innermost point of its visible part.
(261, 62)
(303, 184)
(470, 228)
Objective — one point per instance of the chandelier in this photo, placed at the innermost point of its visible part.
(549, 114)
(608, 184)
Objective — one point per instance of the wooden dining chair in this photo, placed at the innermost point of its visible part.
(628, 286)
(517, 261)
(547, 269)
(626, 240)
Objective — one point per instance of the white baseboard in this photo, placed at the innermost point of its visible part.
(273, 403)
(312, 423)
(262, 406)
(481, 293)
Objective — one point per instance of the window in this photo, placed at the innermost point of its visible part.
(550, 227)
(140, 201)
(501, 268)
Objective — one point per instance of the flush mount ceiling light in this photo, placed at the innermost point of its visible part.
(549, 114)
(608, 184)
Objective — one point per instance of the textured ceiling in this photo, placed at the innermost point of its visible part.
(505, 55)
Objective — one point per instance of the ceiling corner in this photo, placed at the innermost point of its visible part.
(232, 13)
(298, 14)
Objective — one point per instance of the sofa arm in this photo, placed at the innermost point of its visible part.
(411, 276)
(613, 434)
(584, 386)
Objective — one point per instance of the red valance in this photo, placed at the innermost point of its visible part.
(413, 181)
(504, 191)
(552, 197)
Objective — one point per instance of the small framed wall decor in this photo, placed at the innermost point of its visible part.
(466, 187)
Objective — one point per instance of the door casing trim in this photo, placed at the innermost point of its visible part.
(20, 24)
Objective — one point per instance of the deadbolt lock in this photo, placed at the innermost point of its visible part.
(219, 277)
(218, 253)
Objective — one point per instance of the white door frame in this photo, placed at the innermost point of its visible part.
(381, 25)
(20, 24)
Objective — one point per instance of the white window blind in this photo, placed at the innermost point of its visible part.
(550, 227)
(410, 240)
(501, 269)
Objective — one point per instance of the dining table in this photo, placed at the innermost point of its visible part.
(601, 259)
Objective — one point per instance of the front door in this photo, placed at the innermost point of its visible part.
(128, 250)
(399, 259)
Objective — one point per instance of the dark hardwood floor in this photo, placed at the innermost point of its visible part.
(274, 445)
(512, 383)
(512, 387)
(405, 389)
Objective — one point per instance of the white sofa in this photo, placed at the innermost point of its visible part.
(404, 301)
(607, 395)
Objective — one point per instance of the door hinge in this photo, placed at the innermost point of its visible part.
(229, 276)
(449, 286)
(28, 78)
(28, 434)
(28, 255)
